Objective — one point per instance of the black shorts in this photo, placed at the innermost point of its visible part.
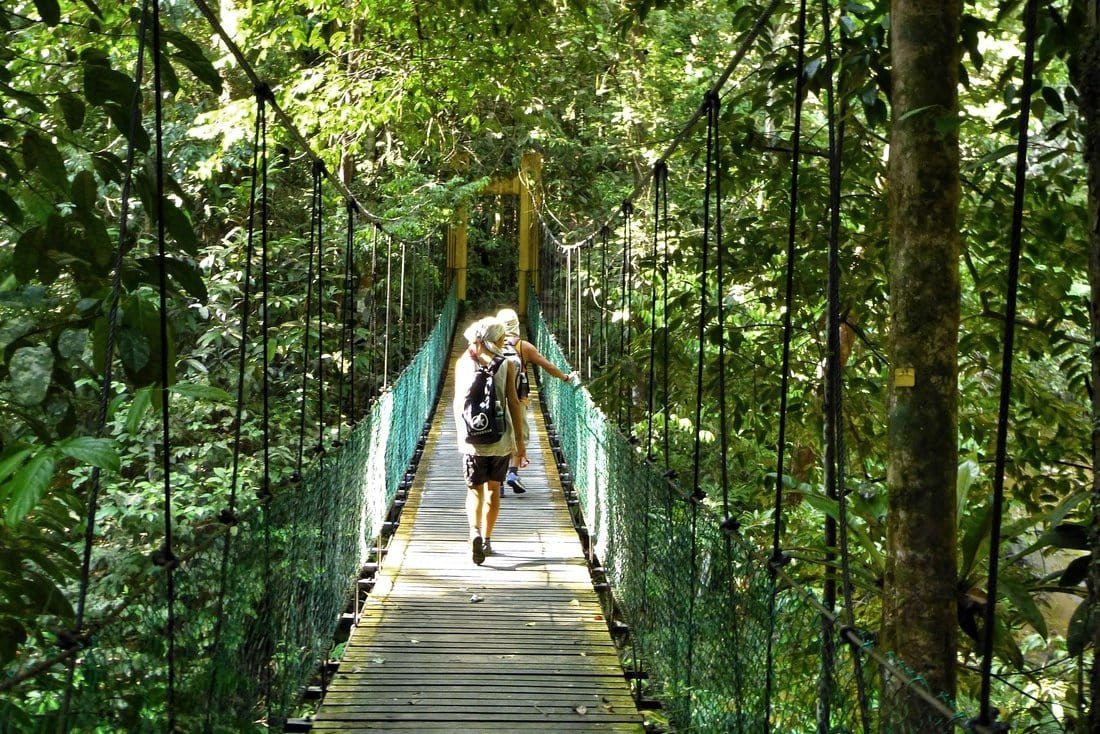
(482, 469)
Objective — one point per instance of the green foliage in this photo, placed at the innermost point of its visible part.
(425, 107)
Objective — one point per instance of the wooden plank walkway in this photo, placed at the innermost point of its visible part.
(517, 644)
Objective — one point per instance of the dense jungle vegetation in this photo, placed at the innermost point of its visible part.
(415, 106)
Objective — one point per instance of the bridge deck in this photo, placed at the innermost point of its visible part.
(517, 644)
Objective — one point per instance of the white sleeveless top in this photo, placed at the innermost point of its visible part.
(464, 375)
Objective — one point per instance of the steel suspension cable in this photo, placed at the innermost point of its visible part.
(777, 557)
(988, 714)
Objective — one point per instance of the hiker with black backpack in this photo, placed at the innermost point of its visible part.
(486, 409)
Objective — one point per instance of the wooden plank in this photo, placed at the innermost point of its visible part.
(516, 644)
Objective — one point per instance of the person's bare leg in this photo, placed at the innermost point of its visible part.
(492, 508)
(474, 509)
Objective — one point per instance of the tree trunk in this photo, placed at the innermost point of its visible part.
(919, 617)
(1087, 80)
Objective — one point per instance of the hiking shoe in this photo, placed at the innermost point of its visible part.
(487, 547)
(516, 484)
(479, 550)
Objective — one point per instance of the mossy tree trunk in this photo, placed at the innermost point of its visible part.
(919, 615)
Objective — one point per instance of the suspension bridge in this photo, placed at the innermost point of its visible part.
(338, 593)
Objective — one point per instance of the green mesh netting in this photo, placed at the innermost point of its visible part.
(291, 567)
(704, 607)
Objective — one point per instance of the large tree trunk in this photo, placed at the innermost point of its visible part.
(1087, 80)
(919, 617)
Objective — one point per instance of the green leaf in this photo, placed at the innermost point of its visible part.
(9, 209)
(975, 536)
(1067, 535)
(191, 55)
(12, 635)
(72, 110)
(179, 226)
(108, 165)
(99, 452)
(143, 400)
(103, 84)
(120, 116)
(1076, 571)
(29, 486)
(44, 596)
(28, 251)
(11, 463)
(188, 277)
(1079, 634)
(1054, 100)
(134, 350)
(31, 101)
(831, 508)
(1021, 598)
(84, 190)
(43, 157)
(49, 10)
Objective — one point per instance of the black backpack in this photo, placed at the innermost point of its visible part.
(483, 418)
(523, 387)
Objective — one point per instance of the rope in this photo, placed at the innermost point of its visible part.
(372, 313)
(228, 517)
(660, 188)
(319, 449)
(834, 444)
(342, 347)
(785, 378)
(349, 296)
(625, 424)
(401, 303)
(165, 556)
(314, 242)
(108, 367)
(265, 495)
(580, 313)
(987, 715)
(589, 343)
(389, 303)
